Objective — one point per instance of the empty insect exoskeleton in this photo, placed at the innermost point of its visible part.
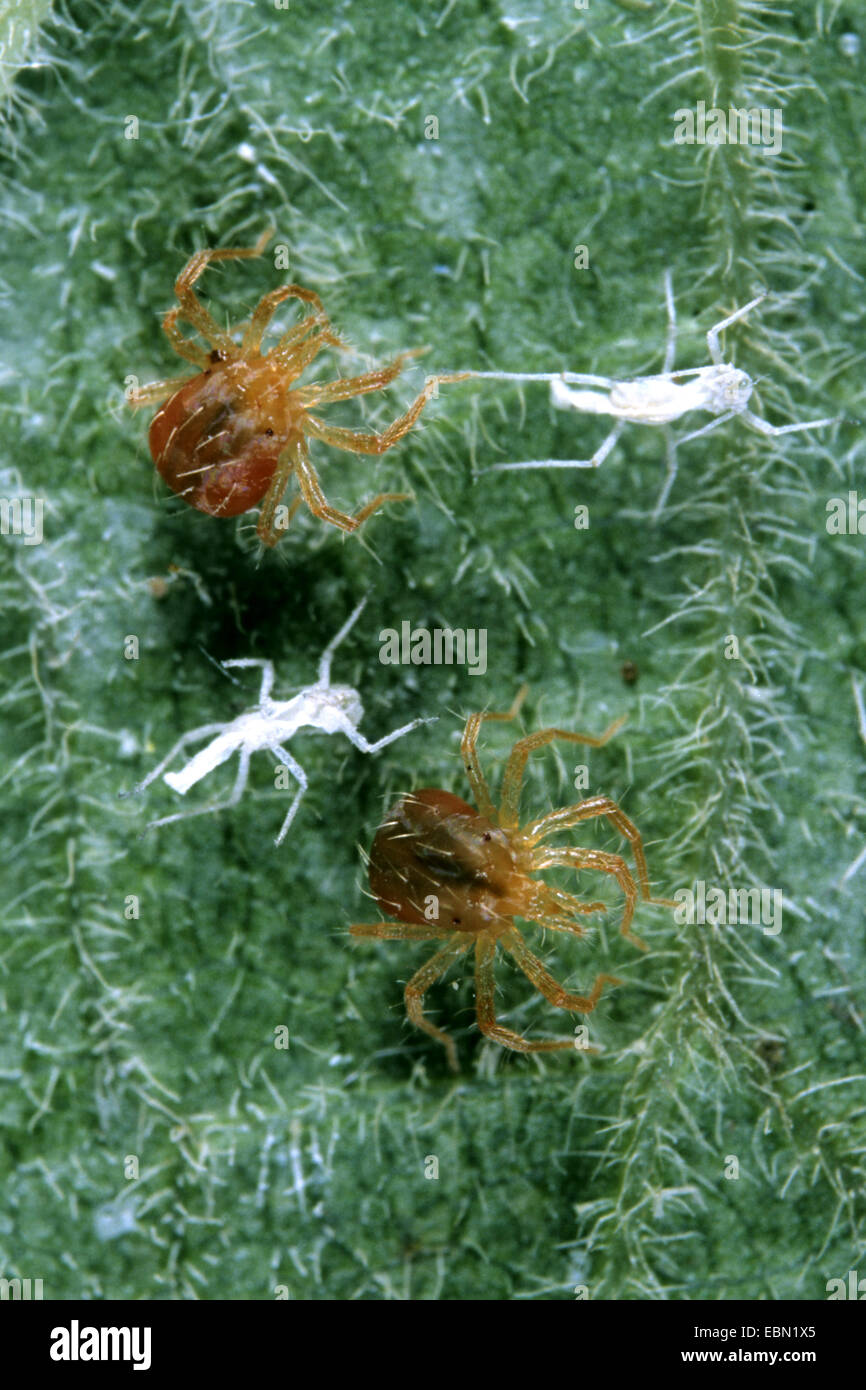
(332, 709)
(720, 389)
(461, 875)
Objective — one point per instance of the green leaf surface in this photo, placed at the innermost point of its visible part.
(146, 1044)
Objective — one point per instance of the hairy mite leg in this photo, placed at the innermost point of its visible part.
(399, 931)
(554, 992)
(418, 986)
(485, 951)
(357, 442)
(469, 752)
(576, 857)
(311, 489)
(185, 347)
(567, 816)
(191, 307)
(156, 391)
(346, 387)
(265, 310)
(566, 903)
(266, 529)
(516, 766)
(286, 466)
(284, 350)
(262, 315)
(295, 459)
(379, 501)
(296, 357)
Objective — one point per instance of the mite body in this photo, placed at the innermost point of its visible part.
(462, 874)
(234, 436)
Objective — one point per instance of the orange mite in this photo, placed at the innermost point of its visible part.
(470, 871)
(232, 436)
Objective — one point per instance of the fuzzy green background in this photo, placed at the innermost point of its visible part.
(147, 1044)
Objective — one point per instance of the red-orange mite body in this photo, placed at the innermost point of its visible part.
(451, 872)
(231, 424)
(434, 843)
(234, 435)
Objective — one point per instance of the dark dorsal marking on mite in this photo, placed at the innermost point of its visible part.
(445, 865)
(215, 425)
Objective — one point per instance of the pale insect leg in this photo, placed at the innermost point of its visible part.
(328, 654)
(205, 731)
(214, 754)
(267, 684)
(762, 425)
(345, 726)
(713, 344)
(236, 794)
(672, 325)
(713, 425)
(301, 778)
(755, 421)
(670, 476)
(605, 383)
(597, 459)
(589, 401)
(593, 402)
(759, 424)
